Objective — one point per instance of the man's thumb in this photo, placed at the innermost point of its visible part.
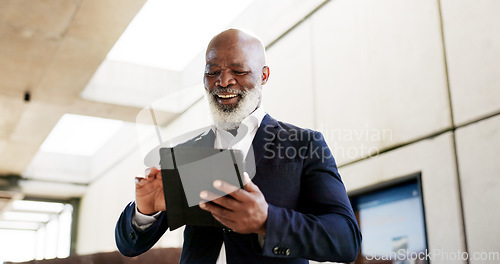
(250, 186)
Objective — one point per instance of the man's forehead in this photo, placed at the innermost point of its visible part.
(231, 55)
(216, 64)
(234, 48)
(227, 50)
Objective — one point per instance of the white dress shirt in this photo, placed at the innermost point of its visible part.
(245, 133)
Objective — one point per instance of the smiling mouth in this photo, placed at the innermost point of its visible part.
(226, 96)
(227, 101)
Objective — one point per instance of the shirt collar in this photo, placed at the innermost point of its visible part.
(252, 121)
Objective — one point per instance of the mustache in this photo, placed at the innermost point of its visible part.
(219, 90)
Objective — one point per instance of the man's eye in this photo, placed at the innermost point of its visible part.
(211, 73)
(240, 72)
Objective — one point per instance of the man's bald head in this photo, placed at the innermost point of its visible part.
(250, 45)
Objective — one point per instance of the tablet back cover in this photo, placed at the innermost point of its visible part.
(186, 171)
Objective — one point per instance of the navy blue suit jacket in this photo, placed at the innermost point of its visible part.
(309, 216)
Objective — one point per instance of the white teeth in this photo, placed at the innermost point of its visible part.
(227, 96)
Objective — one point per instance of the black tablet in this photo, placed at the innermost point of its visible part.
(186, 171)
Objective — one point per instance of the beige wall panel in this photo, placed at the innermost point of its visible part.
(102, 204)
(478, 148)
(289, 94)
(24, 55)
(3, 143)
(4, 10)
(103, 27)
(98, 215)
(49, 16)
(275, 17)
(106, 197)
(193, 73)
(196, 117)
(36, 122)
(15, 156)
(379, 74)
(472, 38)
(434, 158)
(71, 69)
(10, 112)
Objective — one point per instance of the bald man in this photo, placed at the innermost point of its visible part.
(295, 208)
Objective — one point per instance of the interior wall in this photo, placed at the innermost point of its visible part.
(103, 202)
(109, 193)
(396, 87)
(400, 87)
(364, 68)
(472, 38)
(478, 152)
(434, 159)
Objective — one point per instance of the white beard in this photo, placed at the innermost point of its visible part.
(231, 119)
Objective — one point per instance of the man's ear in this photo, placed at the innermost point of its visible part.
(265, 75)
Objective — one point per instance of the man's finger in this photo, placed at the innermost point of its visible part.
(225, 222)
(249, 185)
(158, 174)
(149, 175)
(154, 172)
(236, 192)
(221, 214)
(246, 178)
(140, 179)
(214, 209)
(223, 201)
(224, 186)
(209, 196)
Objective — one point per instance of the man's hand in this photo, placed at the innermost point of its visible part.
(149, 196)
(246, 213)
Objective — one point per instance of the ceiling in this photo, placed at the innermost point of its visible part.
(49, 50)
(54, 60)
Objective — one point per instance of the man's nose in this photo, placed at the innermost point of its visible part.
(225, 79)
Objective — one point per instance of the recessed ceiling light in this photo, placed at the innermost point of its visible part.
(18, 225)
(26, 217)
(36, 206)
(80, 135)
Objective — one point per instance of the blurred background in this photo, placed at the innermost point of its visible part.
(406, 93)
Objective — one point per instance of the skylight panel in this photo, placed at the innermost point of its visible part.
(80, 135)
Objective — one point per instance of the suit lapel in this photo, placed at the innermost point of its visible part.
(265, 134)
(204, 140)
(207, 140)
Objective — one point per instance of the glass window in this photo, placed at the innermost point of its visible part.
(35, 230)
(393, 224)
